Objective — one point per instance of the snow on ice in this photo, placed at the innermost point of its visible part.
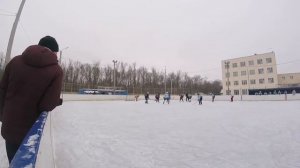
(119, 134)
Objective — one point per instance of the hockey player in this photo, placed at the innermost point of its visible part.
(199, 98)
(189, 98)
(136, 97)
(157, 96)
(166, 98)
(146, 97)
(186, 97)
(231, 99)
(181, 97)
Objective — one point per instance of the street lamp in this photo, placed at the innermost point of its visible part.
(171, 85)
(60, 54)
(114, 61)
(227, 74)
(165, 79)
(13, 32)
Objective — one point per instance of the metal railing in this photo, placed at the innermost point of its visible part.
(26, 155)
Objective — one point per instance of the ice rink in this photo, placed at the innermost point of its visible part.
(126, 134)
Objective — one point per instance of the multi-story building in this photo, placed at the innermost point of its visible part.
(258, 71)
(289, 80)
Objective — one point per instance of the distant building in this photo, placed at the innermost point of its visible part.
(289, 80)
(256, 74)
(258, 71)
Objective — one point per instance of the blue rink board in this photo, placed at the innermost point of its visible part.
(27, 153)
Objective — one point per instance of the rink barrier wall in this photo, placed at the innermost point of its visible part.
(46, 157)
(86, 97)
(27, 153)
(282, 97)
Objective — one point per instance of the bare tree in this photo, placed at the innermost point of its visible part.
(134, 79)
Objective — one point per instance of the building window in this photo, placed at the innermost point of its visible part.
(235, 73)
(234, 65)
(259, 61)
(228, 83)
(269, 60)
(252, 72)
(271, 80)
(236, 92)
(270, 70)
(261, 81)
(228, 92)
(244, 82)
(243, 73)
(244, 91)
(236, 83)
(226, 65)
(260, 71)
(227, 74)
(251, 62)
(252, 81)
(291, 77)
(242, 64)
(283, 77)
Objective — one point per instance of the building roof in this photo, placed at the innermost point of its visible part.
(255, 55)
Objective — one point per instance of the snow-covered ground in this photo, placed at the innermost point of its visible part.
(123, 134)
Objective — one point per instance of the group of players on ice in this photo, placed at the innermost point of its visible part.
(167, 98)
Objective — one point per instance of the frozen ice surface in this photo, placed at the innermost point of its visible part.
(179, 135)
(119, 134)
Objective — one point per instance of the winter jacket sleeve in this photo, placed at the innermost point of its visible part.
(51, 97)
(3, 88)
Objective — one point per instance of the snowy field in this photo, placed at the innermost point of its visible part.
(123, 134)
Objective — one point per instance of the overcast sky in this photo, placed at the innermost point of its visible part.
(188, 35)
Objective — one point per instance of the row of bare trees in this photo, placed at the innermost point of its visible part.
(137, 80)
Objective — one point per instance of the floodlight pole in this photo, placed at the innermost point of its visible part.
(165, 79)
(115, 61)
(13, 32)
(227, 67)
(60, 54)
(171, 85)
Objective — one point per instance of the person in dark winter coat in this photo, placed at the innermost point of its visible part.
(199, 98)
(213, 97)
(146, 97)
(157, 97)
(231, 98)
(30, 85)
(186, 97)
(181, 98)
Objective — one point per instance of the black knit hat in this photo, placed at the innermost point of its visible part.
(50, 43)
